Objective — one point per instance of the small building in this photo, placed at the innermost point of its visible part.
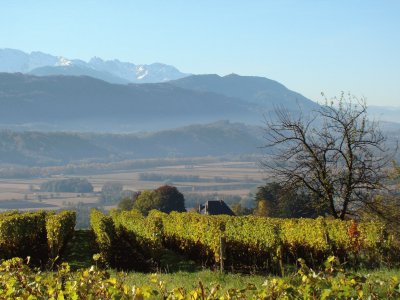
(215, 207)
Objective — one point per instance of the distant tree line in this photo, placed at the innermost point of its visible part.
(98, 167)
(183, 178)
(168, 177)
(220, 187)
(70, 185)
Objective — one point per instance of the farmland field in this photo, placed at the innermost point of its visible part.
(225, 178)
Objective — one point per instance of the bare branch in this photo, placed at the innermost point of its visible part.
(336, 154)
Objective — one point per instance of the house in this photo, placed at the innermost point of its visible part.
(215, 207)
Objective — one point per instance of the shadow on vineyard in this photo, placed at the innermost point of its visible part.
(80, 250)
(171, 262)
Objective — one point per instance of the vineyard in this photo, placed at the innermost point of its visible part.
(301, 258)
(241, 243)
(42, 236)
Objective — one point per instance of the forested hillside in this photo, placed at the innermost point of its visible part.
(88, 104)
(256, 90)
(82, 103)
(40, 148)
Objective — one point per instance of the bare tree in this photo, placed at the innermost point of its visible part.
(335, 153)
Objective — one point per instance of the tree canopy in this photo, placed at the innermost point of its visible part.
(166, 199)
(128, 202)
(272, 200)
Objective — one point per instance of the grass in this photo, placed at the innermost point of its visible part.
(190, 280)
(239, 286)
(226, 281)
(382, 273)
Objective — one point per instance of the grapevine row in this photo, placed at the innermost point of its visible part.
(255, 241)
(39, 235)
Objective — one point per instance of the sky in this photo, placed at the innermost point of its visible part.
(310, 46)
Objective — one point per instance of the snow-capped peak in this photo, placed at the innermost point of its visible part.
(141, 72)
(12, 60)
(62, 61)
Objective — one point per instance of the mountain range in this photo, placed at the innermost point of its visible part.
(88, 104)
(44, 96)
(260, 91)
(252, 89)
(113, 71)
(29, 102)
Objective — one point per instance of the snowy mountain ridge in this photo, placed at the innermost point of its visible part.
(114, 71)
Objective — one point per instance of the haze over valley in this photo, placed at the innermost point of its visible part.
(61, 118)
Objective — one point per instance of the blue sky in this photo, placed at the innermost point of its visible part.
(309, 46)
